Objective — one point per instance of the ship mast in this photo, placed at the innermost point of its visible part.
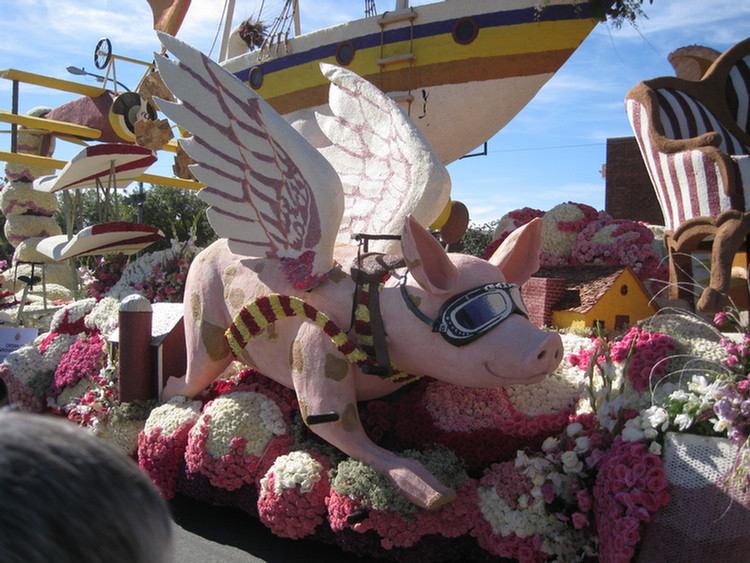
(295, 13)
(224, 49)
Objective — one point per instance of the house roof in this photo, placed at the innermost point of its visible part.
(165, 317)
(585, 285)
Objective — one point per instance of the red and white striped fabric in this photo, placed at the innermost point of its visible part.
(689, 183)
(737, 97)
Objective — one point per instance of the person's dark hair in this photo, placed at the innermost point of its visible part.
(67, 496)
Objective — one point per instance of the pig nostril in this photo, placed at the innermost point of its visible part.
(541, 354)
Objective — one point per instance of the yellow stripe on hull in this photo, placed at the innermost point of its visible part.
(500, 52)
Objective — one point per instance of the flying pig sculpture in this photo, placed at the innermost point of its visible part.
(276, 292)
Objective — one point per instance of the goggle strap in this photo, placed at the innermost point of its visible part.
(413, 307)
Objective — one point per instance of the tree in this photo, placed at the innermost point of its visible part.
(177, 212)
(615, 12)
(477, 237)
(6, 249)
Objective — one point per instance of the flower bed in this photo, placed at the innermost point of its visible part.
(570, 485)
(567, 470)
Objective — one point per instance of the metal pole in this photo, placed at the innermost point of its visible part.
(14, 126)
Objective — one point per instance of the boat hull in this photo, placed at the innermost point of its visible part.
(462, 69)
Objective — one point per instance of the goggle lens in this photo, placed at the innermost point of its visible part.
(482, 310)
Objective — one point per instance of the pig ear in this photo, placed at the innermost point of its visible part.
(427, 260)
(518, 255)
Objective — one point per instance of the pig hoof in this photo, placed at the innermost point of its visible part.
(173, 388)
(420, 487)
(440, 499)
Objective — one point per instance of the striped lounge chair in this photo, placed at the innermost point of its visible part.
(695, 140)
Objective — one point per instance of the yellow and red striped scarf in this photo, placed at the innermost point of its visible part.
(263, 311)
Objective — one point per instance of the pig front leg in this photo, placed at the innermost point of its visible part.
(325, 383)
(208, 354)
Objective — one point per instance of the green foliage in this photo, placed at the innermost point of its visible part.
(615, 12)
(177, 212)
(356, 479)
(476, 238)
(618, 11)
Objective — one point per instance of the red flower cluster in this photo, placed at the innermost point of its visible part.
(589, 214)
(163, 457)
(398, 530)
(294, 514)
(166, 283)
(519, 217)
(509, 484)
(106, 273)
(85, 358)
(234, 469)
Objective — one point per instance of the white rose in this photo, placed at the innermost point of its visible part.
(574, 429)
(583, 444)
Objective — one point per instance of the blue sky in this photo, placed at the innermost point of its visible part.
(552, 152)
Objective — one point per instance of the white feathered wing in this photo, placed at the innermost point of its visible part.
(271, 194)
(387, 168)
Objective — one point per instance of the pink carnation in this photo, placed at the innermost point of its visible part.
(630, 487)
(649, 360)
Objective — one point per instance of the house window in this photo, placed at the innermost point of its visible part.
(622, 321)
(624, 290)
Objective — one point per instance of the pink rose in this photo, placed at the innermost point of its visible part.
(580, 520)
(585, 500)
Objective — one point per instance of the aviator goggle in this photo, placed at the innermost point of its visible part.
(468, 315)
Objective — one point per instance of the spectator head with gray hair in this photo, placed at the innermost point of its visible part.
(69, 497)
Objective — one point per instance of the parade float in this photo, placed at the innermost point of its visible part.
(631, 446)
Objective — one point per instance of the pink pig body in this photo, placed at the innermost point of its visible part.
(297, 353)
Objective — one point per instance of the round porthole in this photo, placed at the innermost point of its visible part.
(345, 53)
(465, 31)
(255, 78)
(624, 290)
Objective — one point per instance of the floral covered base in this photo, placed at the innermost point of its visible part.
(535, 480)
(567, 470)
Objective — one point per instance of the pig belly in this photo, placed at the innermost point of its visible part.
(270, 353)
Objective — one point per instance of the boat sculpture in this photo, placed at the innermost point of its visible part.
(461, 69)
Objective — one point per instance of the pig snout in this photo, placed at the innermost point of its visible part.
(547, 356)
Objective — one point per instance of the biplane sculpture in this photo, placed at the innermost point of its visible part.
(276, 293)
